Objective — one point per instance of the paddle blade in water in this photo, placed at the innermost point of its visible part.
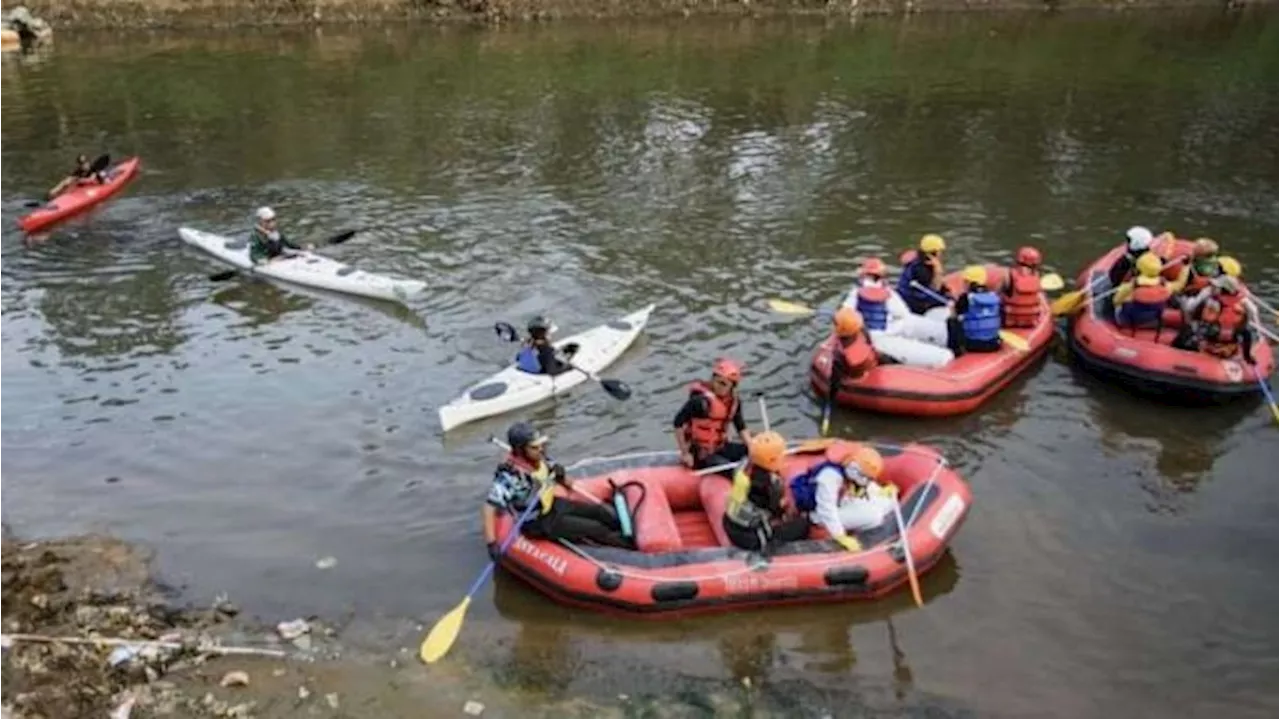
(506, 331)
(443, 634)
(1052, 282)
(224, 275)
(1068, 304)
(342, 237)
(790, 308)
(1014, 341)
(616, 388)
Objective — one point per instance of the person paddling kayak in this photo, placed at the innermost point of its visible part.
(83, 173)
(266, 243)
(539, 356)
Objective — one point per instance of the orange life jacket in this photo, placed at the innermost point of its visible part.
(1022, 305)
(1223, 316)
(1195, 283)
(856, 356)
(1175, 269)
(1146, 305)
(708, 433)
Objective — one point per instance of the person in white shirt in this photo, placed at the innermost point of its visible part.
(895, 331)
(843, 494)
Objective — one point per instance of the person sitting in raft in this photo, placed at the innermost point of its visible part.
(756, 515)
(1218, 321)
(1137, 242)
(266, 243)
(82, 174)
(702, 424)
(854, 355)
(528, 475)
(976, 327)
(1198, 276)
(539, 356)
(1140, 302)
(1230, 267)
(895, 331)
(924, 267)
(843, 493)
(1021, 290)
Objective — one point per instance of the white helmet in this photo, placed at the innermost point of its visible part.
(266, 213)
(1139, 239)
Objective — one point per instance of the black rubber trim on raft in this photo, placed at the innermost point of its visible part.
(619, 325)
(845, 576)
(887, 531)
(488, 391)
(1001, 380)
(664, 592)
(608, 580)
(235, 244)
(608, 603)
(345, 270)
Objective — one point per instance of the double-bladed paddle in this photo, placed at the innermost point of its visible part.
(98, 165)
(335, 240)
(616, 388)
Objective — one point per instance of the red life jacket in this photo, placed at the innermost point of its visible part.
(1022, 305)
(1223, 316)
(1146, 305)
(857, 356)
(1195, 283)
(708, 433)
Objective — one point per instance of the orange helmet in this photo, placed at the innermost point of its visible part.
(767, 450)
(728, 369)
(848, 322)
(1028, 256)
(874, 267)
(861, 462)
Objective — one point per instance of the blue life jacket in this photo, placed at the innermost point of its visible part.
(527, 360)
(874, 307)
(981, 321)
(917, 299)
(804, 488)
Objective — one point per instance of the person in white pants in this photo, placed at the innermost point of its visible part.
(896, 332)
(847, 494)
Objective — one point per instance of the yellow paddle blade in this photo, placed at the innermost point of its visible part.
(826, 424)
(1015, 341)
(1052, 282)
(790, 308)
(441, 636)
(1068, 304)
(1275, 411)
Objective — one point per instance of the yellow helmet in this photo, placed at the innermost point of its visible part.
(1149, 265)
(932, 243)
(975, 274)
(1230, 266)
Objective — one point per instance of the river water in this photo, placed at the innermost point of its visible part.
(1120, 558)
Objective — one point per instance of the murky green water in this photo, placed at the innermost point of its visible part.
(1120, 560)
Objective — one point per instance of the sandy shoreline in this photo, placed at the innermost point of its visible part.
(122, 14)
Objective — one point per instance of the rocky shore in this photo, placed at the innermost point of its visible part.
(85, 14)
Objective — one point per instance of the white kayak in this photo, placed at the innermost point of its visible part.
(305, 268)
(513, 388)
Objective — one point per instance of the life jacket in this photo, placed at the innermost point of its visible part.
(873, 305)
(1223, 316)
(981, 322)
(750, 512)
(708, 433)
(1146, 305)
(539, 477)
(1196, 282)
(856, 357)
(527, 359)
(1174, 271)
(914, 296)
(804, 487)
(1022, 306)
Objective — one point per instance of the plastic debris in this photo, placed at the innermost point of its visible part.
(303, 692)
(326, 563)
(332, 699)
(293, 629)
(124, 708)
(235, 678)
(473, 708)
(123, 654)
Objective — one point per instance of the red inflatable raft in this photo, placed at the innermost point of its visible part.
(1144, 361)
(81, 197)
(961, 386)
(686, 565)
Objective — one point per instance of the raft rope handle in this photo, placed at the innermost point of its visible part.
(941, 462)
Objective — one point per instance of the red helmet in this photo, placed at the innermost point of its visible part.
(1028, 256)
(874, 267)
(728, 369)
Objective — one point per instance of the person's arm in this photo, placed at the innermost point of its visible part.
(897, 307)
(286, 242)
(741, 425)
(1246, 344)
(826, 513)
(1123, 294)
(488, 518)
(257, 246)
(1178, 284)
(1193, 303)
(962, 304)
(548, 360)
(683, 417)
(1251, 312)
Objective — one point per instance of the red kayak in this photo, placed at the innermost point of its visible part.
(1144, 361)
(80, 198)
(962, 386)
(684, 563)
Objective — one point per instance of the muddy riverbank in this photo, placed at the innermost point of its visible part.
(85, 14)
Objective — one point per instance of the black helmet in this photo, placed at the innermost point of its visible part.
(522, 434)
(539, 324)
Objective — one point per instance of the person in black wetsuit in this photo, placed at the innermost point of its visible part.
(539, 355)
